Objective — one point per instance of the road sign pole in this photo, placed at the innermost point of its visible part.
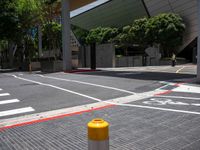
(67, 54)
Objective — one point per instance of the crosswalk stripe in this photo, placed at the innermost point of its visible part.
(4, 94)
(0, 89)
(16, 111)
(9, 101)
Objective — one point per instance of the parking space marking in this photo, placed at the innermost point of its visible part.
(4, 94)
(9, 101)
(16, 111)
(123, 101)
(91, 84)
(179, 97)
(159, 108)
(56, 87)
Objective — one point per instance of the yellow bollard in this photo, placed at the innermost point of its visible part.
(98, 134)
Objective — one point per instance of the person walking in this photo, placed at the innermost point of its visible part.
(173, 60)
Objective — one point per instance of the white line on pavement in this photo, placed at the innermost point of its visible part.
(160, 108)
(180, 69)
(0, 89)
(16, 111)
(59, 88)
(86, 83)
(187, 89)
(9, 101)
(118, 101)
(179, 97)
(4, 94)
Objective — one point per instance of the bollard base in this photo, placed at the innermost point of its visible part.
(98, 145)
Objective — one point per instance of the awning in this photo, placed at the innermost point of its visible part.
(114, 13)
(75, 4)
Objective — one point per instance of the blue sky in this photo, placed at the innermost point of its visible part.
(87, 7)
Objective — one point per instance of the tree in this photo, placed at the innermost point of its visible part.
(101, 35)
(138, 32)
(80, 34)
(8, 19)
(52, 36)
(167, 30)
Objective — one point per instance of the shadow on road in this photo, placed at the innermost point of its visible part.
(157, 76)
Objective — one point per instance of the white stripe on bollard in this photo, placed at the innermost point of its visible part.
(98, 145)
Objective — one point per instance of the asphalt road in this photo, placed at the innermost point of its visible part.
(148, 108)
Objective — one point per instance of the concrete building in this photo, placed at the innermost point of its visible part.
(117, 13)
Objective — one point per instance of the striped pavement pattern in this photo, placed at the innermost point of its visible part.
(12, 111)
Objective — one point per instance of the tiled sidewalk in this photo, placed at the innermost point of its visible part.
(130, 129)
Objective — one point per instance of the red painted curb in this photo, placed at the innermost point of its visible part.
(55, 117)
(164, 93)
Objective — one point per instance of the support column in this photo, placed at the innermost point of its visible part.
(198, 43)
(40, 40)
(67, 54)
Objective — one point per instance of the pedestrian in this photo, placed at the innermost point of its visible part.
(173, 60)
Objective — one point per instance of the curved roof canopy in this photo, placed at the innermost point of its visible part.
(114, 13)
(75, 4)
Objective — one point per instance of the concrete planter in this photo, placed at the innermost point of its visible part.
(51, 66)
(35, 65)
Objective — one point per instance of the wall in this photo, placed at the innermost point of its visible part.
(129, 61)
(105, 56)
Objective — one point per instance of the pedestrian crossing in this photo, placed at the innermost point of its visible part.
(10, 112)
(9, 101)
(4, 94)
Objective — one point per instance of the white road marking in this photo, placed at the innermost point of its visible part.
(187, 89)
(86, 83)
(59, 88)
(0, 89)
(119, 102)
(178, 97)
(161, 101)
(16, 111)
(195, 104)
(160, 108)
(9, 101)
(4, 94)
(180, 69)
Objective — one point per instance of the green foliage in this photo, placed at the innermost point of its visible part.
(101, 35)
(134, 34)
(29, 13)
(3, 45)
(166, 29)
(8, 19)
(138, 31)
(124, 36)
(51, 36)
(80, 34)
